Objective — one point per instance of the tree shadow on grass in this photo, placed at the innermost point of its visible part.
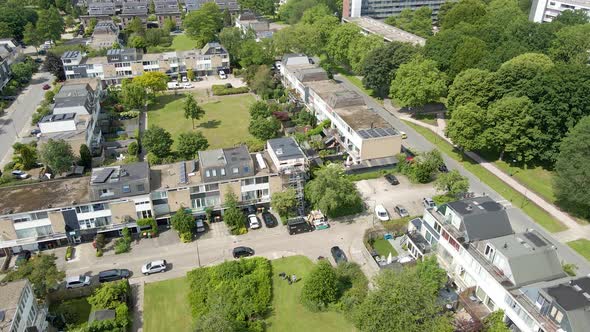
(210, 124)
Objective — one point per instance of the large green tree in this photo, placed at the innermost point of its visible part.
(360, 48)
(41, 271)
(494, 322)
(51, 24)
(190, 143)
(332, 192)
(340, 40)
(284, 201)
(452, 183)
(58, 155)
(379, 66)
(465, 11)
(418, 82)
(466, 127)
(25, 155)
(476, 86)
(157, 141)
(265, 7)
(133, 95)
(405, 301)
(417, 21)
(264, 128)
(204, 23)
(232, 216)
(320, 287)
(571, 44)
(153, 81)
(572, 170)
(192, 110)
(182, 221)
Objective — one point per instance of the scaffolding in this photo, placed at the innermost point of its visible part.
(295, 178)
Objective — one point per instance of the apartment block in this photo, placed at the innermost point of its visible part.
(381, 9)
(231, 5)
(47, 214)
(493, 268)
(547, 10)
(370, 26)
(133, 9)
(356, 129)
(167, 9)
(75, 115)
(20, 310)
(119, 64)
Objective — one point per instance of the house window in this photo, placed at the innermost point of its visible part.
(247, 182)
(235, 170)
(207, 174)
(246, 169)
(126, 189)
(214, 172)
(84, 208)
(553, 312)
(489, 252)
(222, 171)
(263, 179)
(437, 227)
(140, 187)
(212, 187)
(559, 316)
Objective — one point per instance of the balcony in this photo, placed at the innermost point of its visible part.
(527, 305)
(446, 225)
(472, 305)
(495, 272)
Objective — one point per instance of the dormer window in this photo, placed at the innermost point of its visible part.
(222, 172)
(489, 252)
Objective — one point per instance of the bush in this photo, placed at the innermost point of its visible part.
(186, 237)
(570, 269)
(221, 90)
(69, 253)
(122, 246)
(128, 115)
(133, 149)
(149, 222)
(99, 253)
(321, 287)
(255, 144)
(152, 159)
(100, 241)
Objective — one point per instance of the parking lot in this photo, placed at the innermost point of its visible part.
(407, 194)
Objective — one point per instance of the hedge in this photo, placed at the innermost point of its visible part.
(221, 90)
(69, 253)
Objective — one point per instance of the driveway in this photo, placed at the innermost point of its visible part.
(407, 194)
(208, 81)
(16, 121)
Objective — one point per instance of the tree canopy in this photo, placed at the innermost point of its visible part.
(41, 271)
(417, 21)
(182, 221)
(58, 155)
(190, 143)
(158, 141)
(320, 287)
(418, 82)
(333, 193)
(153, 81)
(204, 23)
(192, 110)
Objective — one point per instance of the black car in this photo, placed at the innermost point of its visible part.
(443, 168)
(250, 209)
(35, 132)
(269, 220)
(22, 257)
(391, 179)
(113, 275)
(240, 252)
(338, 254)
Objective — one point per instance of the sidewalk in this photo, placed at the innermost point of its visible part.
(565, 218)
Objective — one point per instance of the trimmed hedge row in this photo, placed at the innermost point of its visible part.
(221, 90)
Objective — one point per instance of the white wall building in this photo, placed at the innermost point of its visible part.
(547, 10)
(20, 311)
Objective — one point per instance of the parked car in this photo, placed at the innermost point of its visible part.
(18, 174)
(443, 168)
(35, 132)
(113, 275)
(22, 258)
(253, 221)
(250, 209)
(200, 226)
(401, 211)
(391, 179)
(46, 87)
(269, 220)
(77, 281)
(298, 225)
(184, 79)
(240, 252)
(338, 254)
(187, 85)
(222, 75)
(154, 267)
(404, 135)
(428, 203)
(381, 213)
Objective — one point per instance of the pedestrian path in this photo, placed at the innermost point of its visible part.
(566, 219)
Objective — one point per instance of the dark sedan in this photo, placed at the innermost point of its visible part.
(269, 220)
(391, 179)
(338, 254)
(240, 252)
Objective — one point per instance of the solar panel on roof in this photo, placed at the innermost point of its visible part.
(183, 177)
(103, 175)
(535, 239)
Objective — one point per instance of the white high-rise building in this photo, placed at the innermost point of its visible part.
(547, 10)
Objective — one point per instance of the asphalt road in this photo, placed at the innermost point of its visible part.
(519, 220)
(18, 116)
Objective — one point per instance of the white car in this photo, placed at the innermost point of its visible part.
(253, 220)
(184, 79)
(222, 75)
(187, 85)
(154, 267)
(381, 213)
(77, 281)
(18, 174)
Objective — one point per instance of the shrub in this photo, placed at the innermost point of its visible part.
(69, 253)
(255, 144)
(153, 159)
(321, 287)
(133, 149)
(100, 241)
(99, 253)
(122, 246)
(186, 237)
(221, 90)
(570, 269)
(128, 115)
(149, 222)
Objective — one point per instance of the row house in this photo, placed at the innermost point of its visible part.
(364, 135)
(99, 11)
(231, 5)
(52, 213)
(495, 268)
(249, 22)
(119, 64)
(76, 111)
(10, 52)
(133, 9)
(167, 9)
(105, 34)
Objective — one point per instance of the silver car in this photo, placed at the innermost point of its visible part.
(77, 281)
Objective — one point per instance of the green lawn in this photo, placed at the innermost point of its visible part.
(537, 179)
(183, 43)
(166, 307)
(225, 123)
(288, 313)
(383, 248)
(426, 118)
(581, 246)
(518, 200)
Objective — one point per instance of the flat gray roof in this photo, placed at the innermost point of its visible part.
(285, 148)
(388, 32)
(9, 299)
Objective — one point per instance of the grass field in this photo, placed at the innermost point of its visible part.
(383, 248)
(537, 179)
(183, 43)
(225, 123)
(518, 200)
(166, 307)
(581, 246)
(288, 313)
